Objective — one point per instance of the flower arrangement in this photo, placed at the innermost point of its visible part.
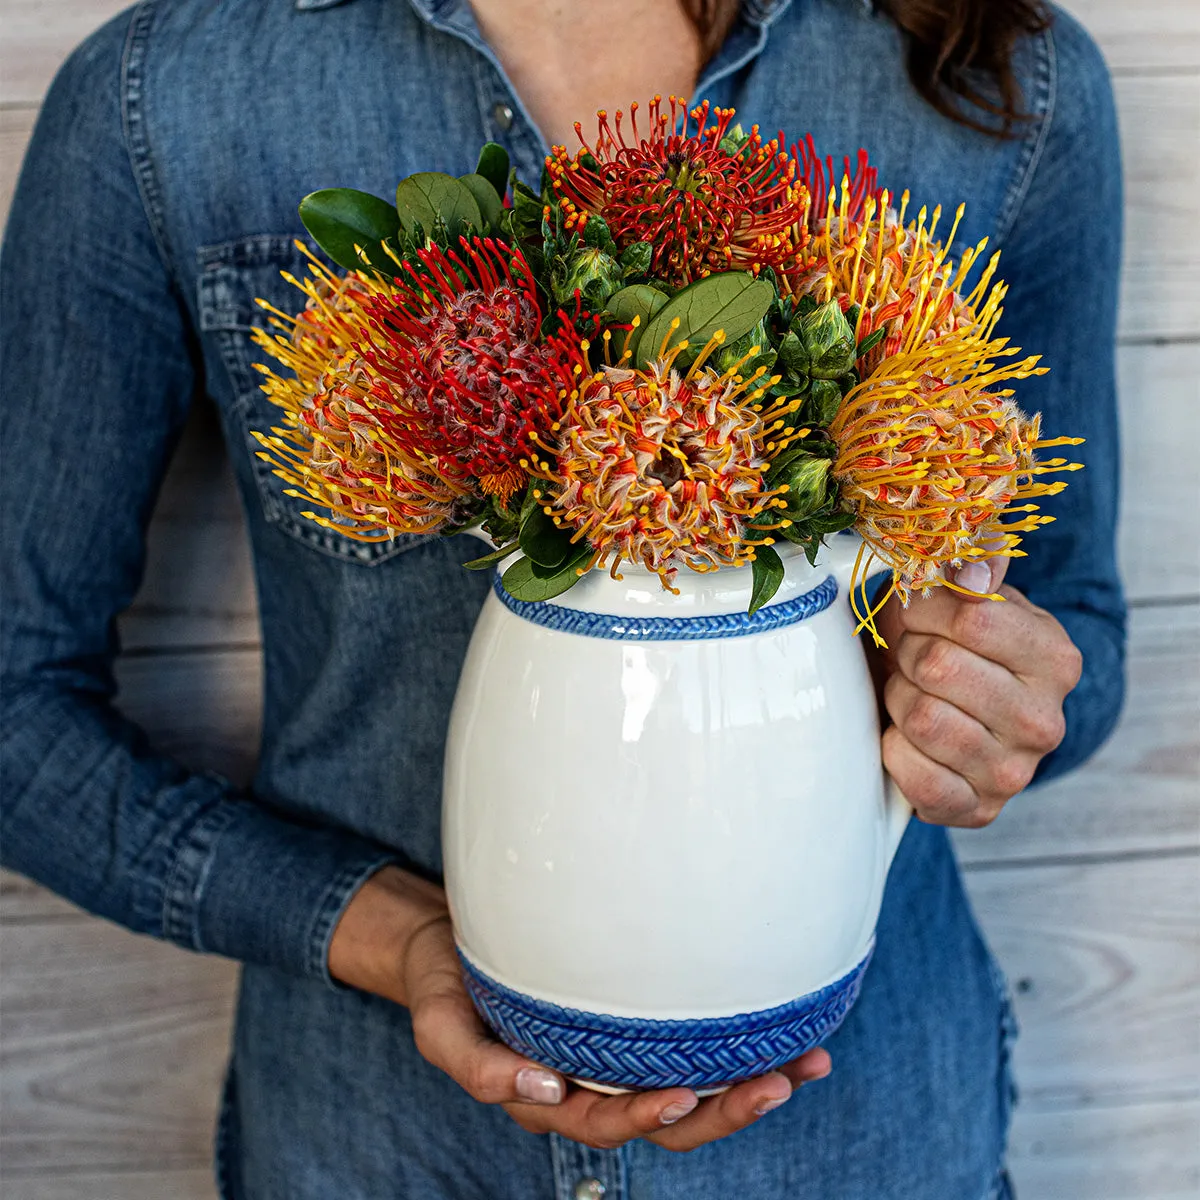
(690, 345)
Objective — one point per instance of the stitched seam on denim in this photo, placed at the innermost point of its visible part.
(133, 124)
(188, 874)
(1035, 143)
(330, 907)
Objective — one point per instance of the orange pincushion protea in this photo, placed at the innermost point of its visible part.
(332, 449)
(664, 468)
(931, 462)
(897, 274)
(702, 207)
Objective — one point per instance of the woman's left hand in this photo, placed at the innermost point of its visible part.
(975, 690)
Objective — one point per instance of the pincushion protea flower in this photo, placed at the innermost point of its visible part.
(703, 207)
(665, 468)
(458, 341)
(897, 275)
(931, 461)
(332, 449)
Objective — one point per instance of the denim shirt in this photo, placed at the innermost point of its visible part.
(158, 200)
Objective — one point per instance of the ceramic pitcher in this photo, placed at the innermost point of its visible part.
(666, 828)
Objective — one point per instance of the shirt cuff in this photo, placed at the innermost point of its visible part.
(251, 885)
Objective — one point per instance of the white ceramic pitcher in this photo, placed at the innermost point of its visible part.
(666, 828)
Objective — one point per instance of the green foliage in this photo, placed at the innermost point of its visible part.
(767, 576)
(639, 300)
(829, 340)
(341, 219)
(493, 166)
(430, 200)
(592, 272)
(521, 582)
(542, 542)
(490, 208)
(733, 302)
(490, 560)
(636, 259)
(871, 341)
(825, 400)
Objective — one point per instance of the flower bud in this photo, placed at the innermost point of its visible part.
(733, 352)
(829, 340)
(594, 274)
(807, 479)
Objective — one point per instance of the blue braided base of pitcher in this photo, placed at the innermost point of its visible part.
(639, 1053)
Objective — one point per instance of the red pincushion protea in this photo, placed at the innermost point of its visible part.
(457, 340)
(704, 208)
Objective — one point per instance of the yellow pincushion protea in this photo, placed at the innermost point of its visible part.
(665, 468)
(332, 448)
(937, 468)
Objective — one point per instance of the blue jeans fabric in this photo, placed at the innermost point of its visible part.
(156, 203)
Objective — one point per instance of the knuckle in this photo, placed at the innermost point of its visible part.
(977, 817)
(926, 719)
(1070, 664)
(1010, 775)
(482, 1084)
(936, 664)
(972, 621)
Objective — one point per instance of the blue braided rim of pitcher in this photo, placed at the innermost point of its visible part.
(641, 1053)
(671, 629)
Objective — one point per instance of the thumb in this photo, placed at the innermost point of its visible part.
(982, 577)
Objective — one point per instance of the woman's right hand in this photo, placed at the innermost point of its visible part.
(395, 939)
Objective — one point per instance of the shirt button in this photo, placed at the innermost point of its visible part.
(502, 114)
(589, 1189)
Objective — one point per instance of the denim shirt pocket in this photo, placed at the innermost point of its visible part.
(232, 277)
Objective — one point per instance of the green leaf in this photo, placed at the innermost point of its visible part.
(793, 356)
(871, 341)
(768, 575)
(341, 218)
(543, 542)
(493, 166)
(733, 302)
(826, 399)
(833, 522)
(490, 208)
(423, 198)
(637, 258)
(641, 301)
(522, 584)
(490, 560)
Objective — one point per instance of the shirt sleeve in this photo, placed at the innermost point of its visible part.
(1062, 256)
(98, 369)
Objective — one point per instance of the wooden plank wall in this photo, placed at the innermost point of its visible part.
(113, 1045)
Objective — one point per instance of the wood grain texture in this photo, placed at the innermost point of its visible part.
(1160, 484)
(1105, 965)
(38, 35)
(1141, 793)
(1160, 35)
(123, 1185)
(1139, 1152)
(1160, 139)
(114, 1046)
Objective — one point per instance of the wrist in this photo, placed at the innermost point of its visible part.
(371, 940)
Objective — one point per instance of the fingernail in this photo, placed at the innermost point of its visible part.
(539, 1086)
(768, 1103)
(975, 577)
(677, 1111)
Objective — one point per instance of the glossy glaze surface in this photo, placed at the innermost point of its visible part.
(666, 829)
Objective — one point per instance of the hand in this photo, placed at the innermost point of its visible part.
(395, 940)
(975, 689)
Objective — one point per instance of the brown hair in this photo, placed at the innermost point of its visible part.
(959, 51)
